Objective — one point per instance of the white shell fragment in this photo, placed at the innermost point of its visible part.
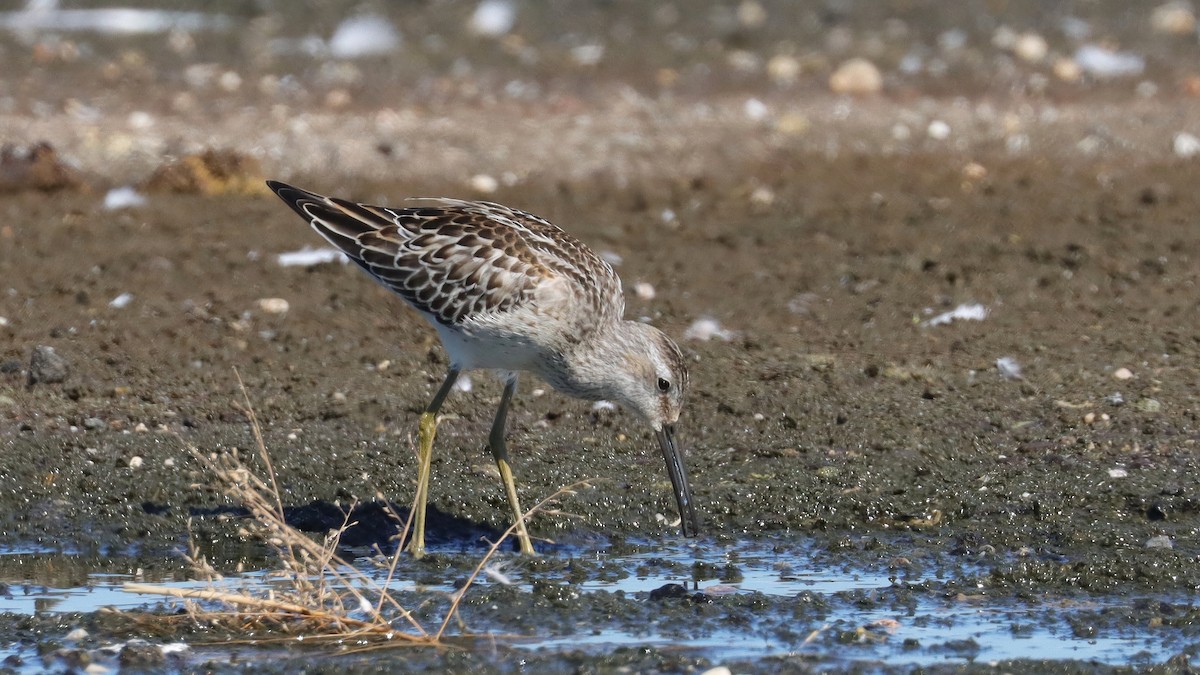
(707, 328)
(964, 312)
(123, 198)
(307, 257)
(1009, 368)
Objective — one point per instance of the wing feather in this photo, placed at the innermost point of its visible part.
(457, 260)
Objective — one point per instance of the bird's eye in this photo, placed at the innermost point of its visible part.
(663, 385)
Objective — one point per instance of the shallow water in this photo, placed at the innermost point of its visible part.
(861, 620)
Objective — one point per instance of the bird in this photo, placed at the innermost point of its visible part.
(508, 291)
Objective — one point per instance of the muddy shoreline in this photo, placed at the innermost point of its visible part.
(1036, 458)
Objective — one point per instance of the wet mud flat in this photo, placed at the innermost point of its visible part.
(832, 420)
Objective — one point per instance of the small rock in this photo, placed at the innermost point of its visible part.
(1173, 18)
(1067, 70)
(76, 635)
(229, 81)
(793, 124)
(484, 183)
(1186, 145)
(38, 168)
(1148, 405)
(1122, 373)
(751, 14)
(136, 462)
(1160, 541)
(211, 173)
(47, 367)
(1117, 473)
(856, 76)
(1031, 47)
(94, 423)
(121, 301)
(493, 18)
(587, 55)
(755, 109)
(783, 69)
(762, 196)
(367, 35)
(141, 654)
(938, 130)
(668, 592)
(1103, 62)
(273, 305)
(1009, 368)
(644, 290)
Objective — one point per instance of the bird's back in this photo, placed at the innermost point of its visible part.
(466, 263)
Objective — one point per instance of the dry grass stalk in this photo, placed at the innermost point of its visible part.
(326, 596)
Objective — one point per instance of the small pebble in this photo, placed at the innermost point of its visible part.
(273, 305)
(587, 55)
(1148, 405)
(484, 183)
(1122, 373)
(1031, 47)
(47, 367)
(493, 18)
(76, 635)
(229, 81)
(1186, 145)
(136, 462)
(856, 76)
(783, 69)
(938, 130)
(1102, 62)
(366, 35)
(644, 290)
(755, 109)
(1067, 70)
(762, 196)
(1160, 541)
(1117, 473)
(751, 14)
(121, 301)
(1174, 18)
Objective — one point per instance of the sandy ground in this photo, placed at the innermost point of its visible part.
(821, 232)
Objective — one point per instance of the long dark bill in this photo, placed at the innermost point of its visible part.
(679, 481)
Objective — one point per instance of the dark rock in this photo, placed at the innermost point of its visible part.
(141, 654)
(46, 366)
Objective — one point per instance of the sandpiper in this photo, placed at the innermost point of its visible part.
(508, 291)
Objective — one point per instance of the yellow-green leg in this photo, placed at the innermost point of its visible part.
(425, 435)
(500, 451)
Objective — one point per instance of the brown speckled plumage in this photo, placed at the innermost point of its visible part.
(507, 290)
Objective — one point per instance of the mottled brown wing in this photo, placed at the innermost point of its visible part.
(567, 256)
(452, 260)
